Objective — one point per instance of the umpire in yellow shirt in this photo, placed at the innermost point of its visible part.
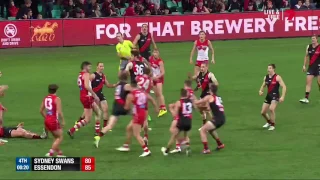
(124, 51)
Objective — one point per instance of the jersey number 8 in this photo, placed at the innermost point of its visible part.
(139, 69)
(48, 103)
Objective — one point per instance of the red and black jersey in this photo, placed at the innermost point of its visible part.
(98, 82)
(185, 111)
(137, 69)
(204, 81)
(120, 94)
(314, 55)
(272, 84)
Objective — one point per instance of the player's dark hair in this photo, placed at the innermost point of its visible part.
(123, 76)
(214, 88)
(134, 84)
(135, 52)
(183, 93)
(146, 70)
(99, 63)
(202, 32)
(144, 25)
(119, 33)
(273, 66)
(84, 64)
(52, 88)
(315, 36)
(188, 83)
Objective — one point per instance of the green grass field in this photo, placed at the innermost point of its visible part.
(292, 151)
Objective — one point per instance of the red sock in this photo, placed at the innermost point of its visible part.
(80, 124)
(205, 145)
(219, 143)
(145, 148)
(51, 152)
(307, 95)
(146, 136)
(272, 123)
(177, 146)
(162, 107)
(97, 127)
(36, 137)
(105, 123)
(60, 152)
(126, 145)
(101, 134)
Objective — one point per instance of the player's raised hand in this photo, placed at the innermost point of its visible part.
(304, 69)
(213, 61)
(260, 93)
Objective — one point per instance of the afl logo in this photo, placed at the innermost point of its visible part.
(10, 30)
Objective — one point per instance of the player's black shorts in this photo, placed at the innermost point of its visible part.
(271, 97)
(204, 94)
(218, 121)
(101, 97)
(184, 124)
(314, 70)
(145, 55)
(118, 110)
(7, 131)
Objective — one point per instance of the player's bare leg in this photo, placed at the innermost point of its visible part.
(55, 148)
(22, 133)
(112, 122)
(136, 133)
(98, 114)
(308, 89)
(211, 128)
(318, 81)
(203, 108)
(272, 111)
(160, 99)
(81, 123)
(105, 109)
(129, 133)
(174, 134)
(265, 115)
(146, 131)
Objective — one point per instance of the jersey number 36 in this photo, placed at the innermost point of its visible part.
(139, 69)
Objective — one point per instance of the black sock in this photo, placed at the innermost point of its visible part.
(204, 121)
(167, 150)
(307, 95)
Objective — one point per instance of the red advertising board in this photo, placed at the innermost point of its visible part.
(74, 32)
(46, 33)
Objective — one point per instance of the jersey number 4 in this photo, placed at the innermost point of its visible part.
(139, 69)
(48, 103)
(143, 83)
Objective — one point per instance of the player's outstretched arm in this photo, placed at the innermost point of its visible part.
(59, 111)
(283, 86)
(128, 102)
(162, 71)
(153, 42)
(212, 52)
(128, 67)
(193, 49)
(135, 41)
(154, 103)
(262, 86)
(175, 111)
(203, 100)
(108, 84)
(306, 57)
(43, 114)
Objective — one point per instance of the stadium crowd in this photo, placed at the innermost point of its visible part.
(38, 9)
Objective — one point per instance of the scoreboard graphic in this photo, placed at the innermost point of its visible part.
(85, 164)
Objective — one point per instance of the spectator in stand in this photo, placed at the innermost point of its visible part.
(4, 4)
(119, 4)
(47, 7)
(299, 5)
(209, 4)
(39, 16)
(146, 4)
(130, 10)
(147, 12)
(317, 2)
(308, 5)
(262, 5)
(83, 6)
(155, 10)
(29, 14)
(200, 8)
(251, 6)
(91, 8)
(108, 10)
(70, 10)
(166, 11)
(80, 13)
(23, 11)
(234, 6)
(139, 9)
(97, 11)
(218, 6)
(270, 6)
(13, 10)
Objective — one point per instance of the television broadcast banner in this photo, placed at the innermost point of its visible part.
(102, 31)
